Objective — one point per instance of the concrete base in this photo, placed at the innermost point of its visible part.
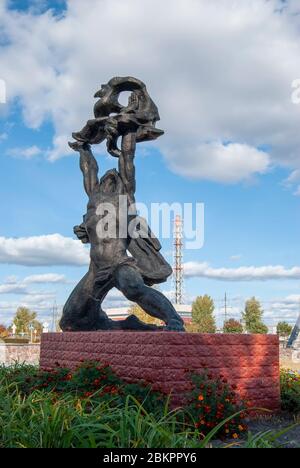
(249, 361)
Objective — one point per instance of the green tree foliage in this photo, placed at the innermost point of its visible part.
(143, 316)
(25, 318)
(233, 326)
(191, 327)
(203, 314)
(253, 317)
(284, 329)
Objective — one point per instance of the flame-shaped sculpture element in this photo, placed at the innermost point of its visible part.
(112, 119)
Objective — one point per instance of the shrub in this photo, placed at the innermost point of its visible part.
(213, 400)
(233, 326)
(290, 390)
(284, 329)
(92, 408)
(91, 379)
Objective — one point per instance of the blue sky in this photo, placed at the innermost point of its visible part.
(231, 143)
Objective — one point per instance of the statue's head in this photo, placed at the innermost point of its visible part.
(109, 182)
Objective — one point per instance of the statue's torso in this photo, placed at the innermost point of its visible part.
(102, 222)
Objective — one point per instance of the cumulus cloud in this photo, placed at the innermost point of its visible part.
(45, 279)
(263, 273)
(24, 153)
(12, 289)
(48, 250)
(37, 300)
(219, 162)
(14, 285)
(221, 71)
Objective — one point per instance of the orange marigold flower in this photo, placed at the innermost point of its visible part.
(241, 428)
(235, 436)
(200, 397)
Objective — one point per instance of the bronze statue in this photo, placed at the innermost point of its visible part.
(111, 265)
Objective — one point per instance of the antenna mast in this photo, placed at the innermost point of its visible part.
(178, 267)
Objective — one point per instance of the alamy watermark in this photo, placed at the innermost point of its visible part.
(120, 220)
(2, 92)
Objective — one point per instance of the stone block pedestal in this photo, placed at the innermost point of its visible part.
(249, 361)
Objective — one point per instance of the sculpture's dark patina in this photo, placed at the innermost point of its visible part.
(110, 265)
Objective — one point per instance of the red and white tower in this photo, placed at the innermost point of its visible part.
(178, 267)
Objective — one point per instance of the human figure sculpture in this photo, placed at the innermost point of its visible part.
(111, 265)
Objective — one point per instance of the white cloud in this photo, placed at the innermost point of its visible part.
(45, 278)
(12, 289)
(220, 71)
(297, 192)
(218, 162)
(263, 273)
(293, 177)
(12, 285)
(24, 153)
(48, 250)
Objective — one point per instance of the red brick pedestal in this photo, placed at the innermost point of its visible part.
(249, 361)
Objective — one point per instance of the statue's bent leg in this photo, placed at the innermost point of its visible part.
(82, 312)
(130, 282)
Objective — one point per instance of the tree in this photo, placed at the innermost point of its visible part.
(203, 314)
(143, 316)
(3, 331)
(233, 326)
(191, 327)
(25, 318)
(284, 329)
(253, 317)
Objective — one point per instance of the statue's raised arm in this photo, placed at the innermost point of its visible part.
(88, 165)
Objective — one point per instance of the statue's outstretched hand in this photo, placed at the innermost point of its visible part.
(79, 145)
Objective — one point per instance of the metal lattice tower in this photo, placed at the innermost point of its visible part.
(178, 267)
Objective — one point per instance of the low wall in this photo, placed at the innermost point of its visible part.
(290, 358)
(10, 353)
(249, 361)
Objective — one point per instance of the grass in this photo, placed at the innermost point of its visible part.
(45, 419)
